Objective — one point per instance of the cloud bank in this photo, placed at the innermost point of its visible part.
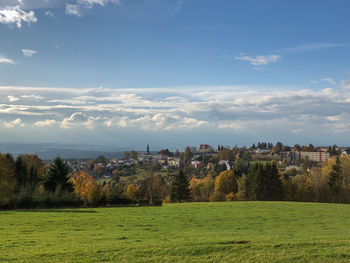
(242, 109)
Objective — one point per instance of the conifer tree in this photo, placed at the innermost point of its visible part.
(335, 180)
(180, 190)
(57, 177)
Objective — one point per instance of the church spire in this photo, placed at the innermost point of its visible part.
(148, 152)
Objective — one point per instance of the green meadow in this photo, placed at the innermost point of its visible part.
(190, 232)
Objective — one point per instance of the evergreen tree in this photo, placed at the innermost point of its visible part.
(187, 154)
(180, 190)
(263, 183)
(57, 177)
(273, 189)
(335, 180)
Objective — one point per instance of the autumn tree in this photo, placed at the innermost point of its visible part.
(226, 154)
(57, 176)
(179, 191)
(86, 187)
(7, 179)
(225, 183)
(101, 159)
(29, 172)
(134, 155)
(132, 192)
(201, 189)
(126, 155)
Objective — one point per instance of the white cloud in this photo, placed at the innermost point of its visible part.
(333, 118)
(245, 109)
(77, 9)
(79, 120)
(12, 98)
(259, 60)
(14, 123)
(15, 15)
(33, 4)
(49, 13)
(91, 3)
(29, 52)
(329, 81)
(4, 60)
(45, 123)
(33, 97)
(73, 10)
(296, 131)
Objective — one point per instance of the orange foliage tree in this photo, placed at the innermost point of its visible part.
(132, 192)
(86, 187)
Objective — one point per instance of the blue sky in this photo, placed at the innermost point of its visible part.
(174, 72)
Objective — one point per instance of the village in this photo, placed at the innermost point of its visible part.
(203, 160)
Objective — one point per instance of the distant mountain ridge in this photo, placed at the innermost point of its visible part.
(49, 151)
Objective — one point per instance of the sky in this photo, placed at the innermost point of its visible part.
(174, 72)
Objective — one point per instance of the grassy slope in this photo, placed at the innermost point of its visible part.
(193, 232)
(141, 175)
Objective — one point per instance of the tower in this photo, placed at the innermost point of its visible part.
(147, 151)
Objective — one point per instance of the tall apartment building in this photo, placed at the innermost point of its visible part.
(297, 156)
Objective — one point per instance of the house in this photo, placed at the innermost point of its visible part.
(345, 152)
(174, 161)
(297, 156)
(197, 164)
(262, 151)
(205, 148)
(226, 163)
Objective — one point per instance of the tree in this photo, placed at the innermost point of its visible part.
(29, 172)
(7, 179)
(202, 189)
(225, 183)
(126, 155)
(57, 176)
(180, 191)
(335, 180)
(132, 192)
(134, 155)
(187, 154)
(166, 152)
(263, 182)
(86, 187)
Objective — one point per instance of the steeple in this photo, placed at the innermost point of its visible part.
(148, 152)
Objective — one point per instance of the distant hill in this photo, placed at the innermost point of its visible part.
(49, 151)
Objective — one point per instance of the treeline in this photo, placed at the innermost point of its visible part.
(27, 182)
(264, 182)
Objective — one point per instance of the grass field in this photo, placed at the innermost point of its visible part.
(141, 175)
(192, 232)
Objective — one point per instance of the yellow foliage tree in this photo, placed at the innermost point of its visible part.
(201, 189)
(132, 192)
(225, 183)
(86, 187)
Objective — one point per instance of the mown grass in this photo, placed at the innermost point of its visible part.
(192, 232)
